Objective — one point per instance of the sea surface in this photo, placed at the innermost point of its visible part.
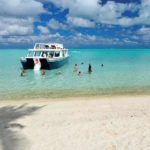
(125, 71)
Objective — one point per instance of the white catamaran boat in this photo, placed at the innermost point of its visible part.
(45, 56)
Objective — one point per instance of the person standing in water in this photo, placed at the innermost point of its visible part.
(90, 69)
(22, 73)
(43, 72)
(75, 68)
(79, 74)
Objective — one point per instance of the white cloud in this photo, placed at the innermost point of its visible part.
(110, 13)
(78, 8)
(128, 41)
(43, 30)
(80, 39)
(142, 18)
(144, 30)
(85, 9)
(46, 38)
(15, 26)
(17, 16)
(80, 22)
(30, 39)
(145, 33)
(54, 24)
(71, 21)
(144, 14)
(20, 8)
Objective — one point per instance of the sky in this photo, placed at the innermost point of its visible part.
(75, 23)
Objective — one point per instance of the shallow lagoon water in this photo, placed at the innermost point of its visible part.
(125, 71)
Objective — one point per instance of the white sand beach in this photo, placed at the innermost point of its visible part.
(98, 123)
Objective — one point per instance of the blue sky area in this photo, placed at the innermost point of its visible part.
(75, 23)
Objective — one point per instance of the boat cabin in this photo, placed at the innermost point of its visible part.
(49, 51)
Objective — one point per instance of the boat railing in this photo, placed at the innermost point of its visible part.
(52, 50)
(47, 57)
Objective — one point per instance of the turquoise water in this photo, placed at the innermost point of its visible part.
(125, 71)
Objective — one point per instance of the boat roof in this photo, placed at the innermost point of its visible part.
(48, 47)
(55, 44)
(50, 43)
(48, 50)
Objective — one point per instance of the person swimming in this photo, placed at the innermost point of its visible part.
(58, 73)
(43, 72)
(79, 74)
(75, 68)
(22, 73)
(90, 69)
(102, 65)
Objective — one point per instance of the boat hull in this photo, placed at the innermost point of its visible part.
(45, 64)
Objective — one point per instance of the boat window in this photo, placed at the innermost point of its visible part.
(37, 53)
(53, 47)
(30, 54)
(46, 46)
(50, 54)
(44, 54)
(57, 54)
(63, 53)
(42, 46)
(37, 46)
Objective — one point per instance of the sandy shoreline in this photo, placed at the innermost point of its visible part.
(93, 123)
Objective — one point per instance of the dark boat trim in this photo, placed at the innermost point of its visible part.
(28, 63)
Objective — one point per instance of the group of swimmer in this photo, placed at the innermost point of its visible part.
(22, 74)
(80, 73)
